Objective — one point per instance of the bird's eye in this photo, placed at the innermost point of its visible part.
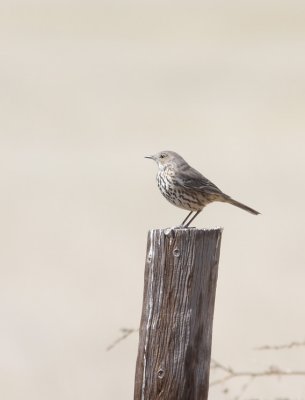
(162, 155)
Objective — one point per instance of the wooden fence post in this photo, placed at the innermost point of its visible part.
(174, 352)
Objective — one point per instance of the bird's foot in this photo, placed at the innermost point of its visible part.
(182, 227)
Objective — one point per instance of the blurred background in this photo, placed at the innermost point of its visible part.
(88, 88)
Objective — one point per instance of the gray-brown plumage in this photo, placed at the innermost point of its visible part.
(186, 188)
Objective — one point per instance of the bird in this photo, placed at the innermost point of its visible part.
(186, 188)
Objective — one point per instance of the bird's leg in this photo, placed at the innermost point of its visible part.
(192, 219)
(188, 215)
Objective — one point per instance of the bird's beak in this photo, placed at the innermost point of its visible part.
(151, 157)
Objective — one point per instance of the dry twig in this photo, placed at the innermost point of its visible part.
(281, 346)
(125, 333)
(231, 373)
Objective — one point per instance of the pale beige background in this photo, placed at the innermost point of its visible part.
(87, 89)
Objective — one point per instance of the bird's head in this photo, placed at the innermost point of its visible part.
(166, 157)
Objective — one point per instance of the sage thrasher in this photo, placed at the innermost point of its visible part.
(186, 188)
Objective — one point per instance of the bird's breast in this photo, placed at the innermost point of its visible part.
(175, 194)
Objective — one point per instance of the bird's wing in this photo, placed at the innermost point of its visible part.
(192, 179)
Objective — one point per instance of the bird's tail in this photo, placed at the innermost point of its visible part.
(241, 205)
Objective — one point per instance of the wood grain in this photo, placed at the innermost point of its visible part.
(174, 352)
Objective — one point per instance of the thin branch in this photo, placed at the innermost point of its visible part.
(125, 333)
(282, 346)
(244, 388)
(232, 374)
(216, 365)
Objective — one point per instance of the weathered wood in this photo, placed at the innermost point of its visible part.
(176, 326)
